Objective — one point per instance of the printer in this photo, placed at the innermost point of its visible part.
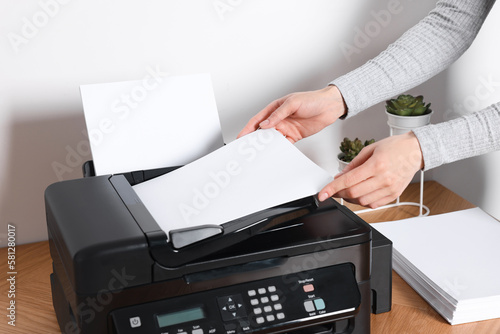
(300, 267)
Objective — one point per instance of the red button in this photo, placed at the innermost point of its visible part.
(308, 288)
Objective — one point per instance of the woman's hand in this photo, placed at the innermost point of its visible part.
(299, 115)
(379, 173)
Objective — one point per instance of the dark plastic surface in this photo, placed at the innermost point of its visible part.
(89, 250)
(95, 235)
(133, 178)
(381, 277)
(341, 302)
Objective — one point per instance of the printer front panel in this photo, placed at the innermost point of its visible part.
(276, 304)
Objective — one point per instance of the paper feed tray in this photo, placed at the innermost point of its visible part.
(178, 247)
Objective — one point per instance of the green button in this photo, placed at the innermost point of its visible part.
(320, 304)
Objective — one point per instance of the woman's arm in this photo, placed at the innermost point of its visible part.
(461, 138)
(423, 51)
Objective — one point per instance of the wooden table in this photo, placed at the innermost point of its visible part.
(410, 313)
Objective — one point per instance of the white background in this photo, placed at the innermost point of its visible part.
(256, 51)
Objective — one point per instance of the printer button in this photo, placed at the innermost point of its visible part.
(230, 326)
(262, 291)
(309, 306)
(245, 325)
(308, 288)
(251, 293)
(197, 331)
(135, 322)
(231, 307)
(320, 304)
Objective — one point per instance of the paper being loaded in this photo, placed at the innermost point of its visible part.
(255, 172)
(151, 123)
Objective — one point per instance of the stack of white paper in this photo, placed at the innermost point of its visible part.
(258, 171)
(452, 260)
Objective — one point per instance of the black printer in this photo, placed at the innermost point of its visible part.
(301, 267)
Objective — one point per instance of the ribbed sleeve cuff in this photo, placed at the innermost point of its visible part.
(464, 137)
(431, 146)
(355, 86)
(348, 90)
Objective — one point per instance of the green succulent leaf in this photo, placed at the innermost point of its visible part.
(351, 148)
(407, 105)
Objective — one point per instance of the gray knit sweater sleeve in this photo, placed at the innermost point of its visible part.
(422, 52)
(461, 138)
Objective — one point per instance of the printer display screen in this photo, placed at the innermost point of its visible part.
(179, 317)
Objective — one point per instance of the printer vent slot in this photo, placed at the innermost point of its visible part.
(231, 270)
(344, 326)
(287, 218)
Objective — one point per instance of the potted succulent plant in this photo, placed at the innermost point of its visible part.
(349, 149)
(407, 112)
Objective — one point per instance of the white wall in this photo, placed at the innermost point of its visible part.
(473, 83)
(255, 50)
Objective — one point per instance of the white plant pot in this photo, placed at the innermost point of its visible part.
(342, 164)
(403, 124)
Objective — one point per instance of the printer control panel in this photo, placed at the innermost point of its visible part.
(269, 305)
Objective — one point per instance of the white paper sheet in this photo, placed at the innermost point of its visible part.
(151, 123)
(255, 172)
(451, 260)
